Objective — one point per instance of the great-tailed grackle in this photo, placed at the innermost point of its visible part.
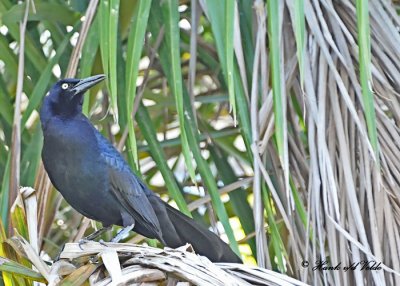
(94, 178)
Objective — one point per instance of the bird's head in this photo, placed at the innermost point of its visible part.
(65, 98)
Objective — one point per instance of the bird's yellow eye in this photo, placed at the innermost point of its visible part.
(64, 86)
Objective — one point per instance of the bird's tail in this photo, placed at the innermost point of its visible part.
(203, 241)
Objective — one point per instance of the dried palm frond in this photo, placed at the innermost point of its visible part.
(126, 264)
(347, 183)
(104, 263)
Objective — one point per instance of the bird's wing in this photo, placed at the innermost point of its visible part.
(127, 188)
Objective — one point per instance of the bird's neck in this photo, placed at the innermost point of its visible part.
(45, 113)
(52, 110)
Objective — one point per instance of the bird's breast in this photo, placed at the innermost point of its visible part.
(71, 146)
(72, 159)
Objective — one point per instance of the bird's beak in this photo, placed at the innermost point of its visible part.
(86, 83)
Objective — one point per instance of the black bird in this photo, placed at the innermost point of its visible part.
(94, 178)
